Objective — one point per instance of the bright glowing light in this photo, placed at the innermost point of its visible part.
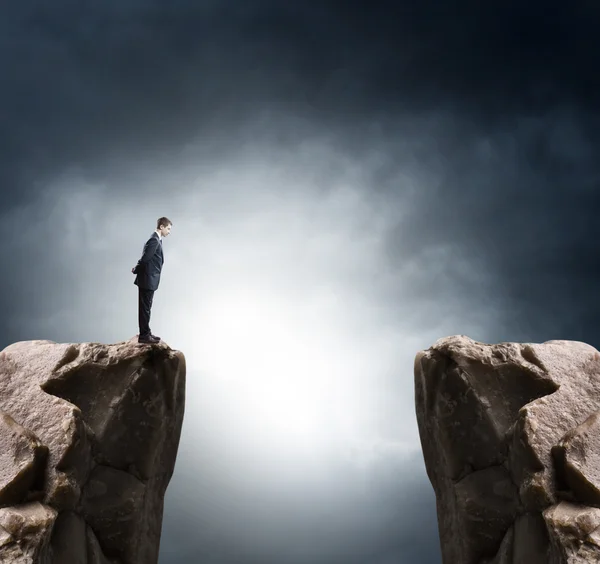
(280, 376)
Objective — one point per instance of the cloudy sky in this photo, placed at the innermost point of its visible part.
(348, 182)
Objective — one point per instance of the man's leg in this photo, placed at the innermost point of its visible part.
(144, 308)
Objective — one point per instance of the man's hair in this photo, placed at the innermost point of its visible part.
(164, 221)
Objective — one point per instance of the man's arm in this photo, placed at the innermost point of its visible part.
(149, 250)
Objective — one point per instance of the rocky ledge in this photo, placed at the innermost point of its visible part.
(88, 440)
(511, 440)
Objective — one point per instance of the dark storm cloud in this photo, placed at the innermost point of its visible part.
(114, 85)
(521, 203)
(499, 99)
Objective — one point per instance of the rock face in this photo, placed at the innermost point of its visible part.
(511, 440)
(88, 440)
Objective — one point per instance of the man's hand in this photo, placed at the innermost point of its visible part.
(133, 270)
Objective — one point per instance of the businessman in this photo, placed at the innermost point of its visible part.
(148, 270)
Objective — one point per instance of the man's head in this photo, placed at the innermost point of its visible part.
(163, 225)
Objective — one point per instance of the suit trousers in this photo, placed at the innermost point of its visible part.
(144, 307)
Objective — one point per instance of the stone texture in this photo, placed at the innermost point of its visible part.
(22, 461)
(573, 532)
(511, 442)
(113, 505)
(88, 440)
(69, 542)
(26, 532)
(579, 456)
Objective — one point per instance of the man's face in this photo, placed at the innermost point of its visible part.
(164, 231)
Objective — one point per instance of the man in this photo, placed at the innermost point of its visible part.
(148, 270)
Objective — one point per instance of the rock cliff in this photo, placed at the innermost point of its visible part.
(511, 440)
(88, 440)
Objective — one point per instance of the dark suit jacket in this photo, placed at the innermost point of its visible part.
(148, 268)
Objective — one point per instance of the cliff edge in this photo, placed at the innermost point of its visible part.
(510, 434)
(88, 440)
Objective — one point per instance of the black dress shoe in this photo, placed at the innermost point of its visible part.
(155, 337)
(148, 340)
